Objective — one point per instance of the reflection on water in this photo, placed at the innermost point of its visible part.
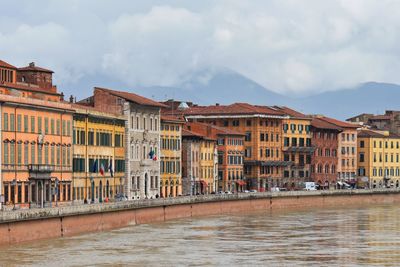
(333, 237)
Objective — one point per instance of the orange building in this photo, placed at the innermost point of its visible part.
(36, 138)
(230, 152)
(262, 126)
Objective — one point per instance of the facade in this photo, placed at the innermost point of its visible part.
(324, 160)
(98, 155)
(228, 161)
(263, 158)
(378, 158)
(190, 162)
(36, 138)
(142, 138)
(171, 156)
(347, 150)
(297, 149)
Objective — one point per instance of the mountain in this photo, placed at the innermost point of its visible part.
(225, 86)
(371, 97)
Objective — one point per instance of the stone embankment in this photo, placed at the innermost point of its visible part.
(35, 224)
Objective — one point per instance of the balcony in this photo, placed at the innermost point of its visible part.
(147, 162)
(40, 168)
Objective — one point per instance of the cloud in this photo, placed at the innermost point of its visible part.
(287, 46)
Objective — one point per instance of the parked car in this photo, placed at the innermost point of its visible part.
(246, 191)
(228, 192)
(253, 191)
(221, 192)
(310, 186)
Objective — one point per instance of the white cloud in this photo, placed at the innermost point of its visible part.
(286, 45)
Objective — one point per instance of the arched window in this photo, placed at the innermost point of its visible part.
(326, 168)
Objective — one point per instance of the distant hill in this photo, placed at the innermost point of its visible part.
(227, 87)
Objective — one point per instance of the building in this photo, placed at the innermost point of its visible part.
(228, 170)
(36, 138)
(98, 154)
(378, 158)
(263, 158)
(390, 121)
(191, 162)
(324, 160)
(142, 138)
(171, 156)
(347, 150)
(297, 149)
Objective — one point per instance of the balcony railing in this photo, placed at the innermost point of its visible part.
(41, 168)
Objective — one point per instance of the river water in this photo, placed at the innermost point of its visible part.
(368, 236)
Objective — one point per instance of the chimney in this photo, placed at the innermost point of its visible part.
(71, 99)
(62, 96)
(217, 104)
(32, 64)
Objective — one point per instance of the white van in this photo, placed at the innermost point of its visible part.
(310, 186)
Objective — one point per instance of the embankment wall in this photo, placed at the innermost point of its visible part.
(36, 224)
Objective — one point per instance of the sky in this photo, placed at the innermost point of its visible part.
(287, 46)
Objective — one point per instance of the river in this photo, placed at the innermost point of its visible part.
(368, 236)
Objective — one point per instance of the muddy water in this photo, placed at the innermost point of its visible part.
(334, 237)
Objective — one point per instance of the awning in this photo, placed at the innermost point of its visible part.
(346, 184)
(240, 182)
(204, 183)
(340, 183)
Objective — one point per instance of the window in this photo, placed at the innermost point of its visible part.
(361, 157)
(63, 128)
(5, 155)
(261, 137)
(247, 136)
(286, 141)
(90, 138)
(58, 127)
(26, 125)
(5, 122)
(235, 123)
(248, 122)
(19, 122)
(362, 144)
(39, 125)
(26, 154)
(285, 128)
(52, 126)
(46, 125)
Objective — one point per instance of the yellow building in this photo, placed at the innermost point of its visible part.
(98, 155)
(378, 158)
(208, 165)
(171, 157)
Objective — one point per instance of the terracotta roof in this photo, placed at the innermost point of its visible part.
(141, 100)
(171, 119)
(83, 107)
(290, 112)
(6, 65)
(338, 123)
(321, 124)
(32, 67)
(374, 134)
(233, 109)
(27, 87)
(187, 133)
